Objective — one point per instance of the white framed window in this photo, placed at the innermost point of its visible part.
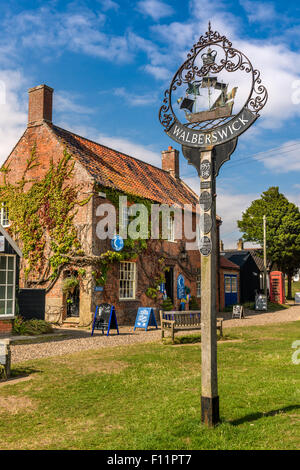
(7, 285)
(127, 282)
(4, 215)
(234, 284)
(171, 229)
(198, 285)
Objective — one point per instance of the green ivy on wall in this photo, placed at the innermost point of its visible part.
(42, 210)
(132, 248)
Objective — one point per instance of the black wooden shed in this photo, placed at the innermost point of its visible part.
(249, 273)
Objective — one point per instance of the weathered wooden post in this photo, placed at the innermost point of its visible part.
(208, 138)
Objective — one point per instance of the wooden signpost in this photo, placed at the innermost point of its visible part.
(145, 317)
(208, 138)
(105, 318)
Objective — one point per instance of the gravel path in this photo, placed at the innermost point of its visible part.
(81, 340)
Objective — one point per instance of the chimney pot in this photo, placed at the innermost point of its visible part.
(240, 244)
(170, 161)
(40, 105)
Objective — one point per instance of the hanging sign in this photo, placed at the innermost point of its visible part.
(145, 317)
(180, 287)
(105, 318)
(117, 243)
(207, 105)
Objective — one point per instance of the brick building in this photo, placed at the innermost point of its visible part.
(97, 166)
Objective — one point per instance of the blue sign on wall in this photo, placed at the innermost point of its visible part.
(145, 317)
(180, 287)
(117, 243)
(98, 289)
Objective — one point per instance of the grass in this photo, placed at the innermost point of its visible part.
(147, 396)
(194, 338)
(272, 307)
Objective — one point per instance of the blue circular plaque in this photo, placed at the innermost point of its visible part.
(117, 243)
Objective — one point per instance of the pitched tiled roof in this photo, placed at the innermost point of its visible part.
(226, 263)
(111, 168)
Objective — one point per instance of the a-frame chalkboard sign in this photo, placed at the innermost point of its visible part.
(105, 319)
(145, 317)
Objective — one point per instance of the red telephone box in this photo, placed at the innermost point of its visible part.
(277, 287)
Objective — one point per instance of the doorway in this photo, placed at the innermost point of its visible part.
(72, 297)
(169, 275)
(231, 294)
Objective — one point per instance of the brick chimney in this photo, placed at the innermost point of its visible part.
(170, 161)
(240, 244)
(40, 105)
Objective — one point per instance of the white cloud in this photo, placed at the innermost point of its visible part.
(285, 159)
(160, 73)
(109, 5)
(78, 30)
(65, 102)
(13, 116)
(260, 12)
(134, 99)
(155, 8)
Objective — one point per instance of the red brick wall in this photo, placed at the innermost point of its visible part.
(5, 326)
(40, 104)
(170, 161)
(49, 148)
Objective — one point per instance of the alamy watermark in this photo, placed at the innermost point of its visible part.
(164, 222)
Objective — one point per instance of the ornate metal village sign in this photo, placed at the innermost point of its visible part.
(206, 116)
(198, 74)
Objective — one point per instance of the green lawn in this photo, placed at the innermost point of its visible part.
(147, 396)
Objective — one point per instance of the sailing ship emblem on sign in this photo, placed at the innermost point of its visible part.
(221, 107)
(215, 95)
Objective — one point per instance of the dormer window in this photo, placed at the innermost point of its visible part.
(4, 215)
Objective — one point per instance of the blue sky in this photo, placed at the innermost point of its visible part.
(110, 62)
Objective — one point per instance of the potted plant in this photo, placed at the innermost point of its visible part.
(69, 284)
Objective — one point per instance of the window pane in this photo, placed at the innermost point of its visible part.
(9, 293)
(2, 277)
(3, 262)
(233, 284)
(10, 277)
(2, 292)
(2, 308)
(227, 285)
(10, 262)
(9, 307)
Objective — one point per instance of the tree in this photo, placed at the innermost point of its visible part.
(283, 230)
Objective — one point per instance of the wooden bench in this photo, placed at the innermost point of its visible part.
(179, 321)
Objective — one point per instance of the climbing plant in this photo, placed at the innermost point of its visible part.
(43, 210)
